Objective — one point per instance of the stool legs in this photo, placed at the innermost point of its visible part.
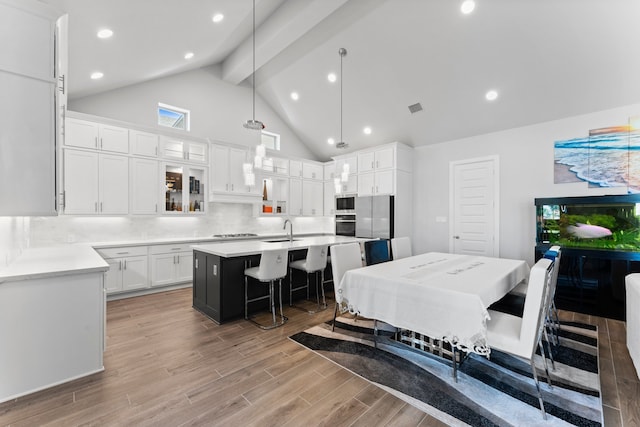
(272, 304)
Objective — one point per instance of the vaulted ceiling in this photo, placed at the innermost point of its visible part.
(546, 59)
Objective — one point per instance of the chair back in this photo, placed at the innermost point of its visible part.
(316, 258)
(401, 247)
(534, 309)
(344, 257)
(376, 251)
(273, 264)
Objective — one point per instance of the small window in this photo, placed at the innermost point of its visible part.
(271, 140)
(173, 117)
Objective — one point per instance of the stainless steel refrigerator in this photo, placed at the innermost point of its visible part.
(374, 217)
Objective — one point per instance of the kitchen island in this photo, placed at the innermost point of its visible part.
(52, 318)
(218, 271)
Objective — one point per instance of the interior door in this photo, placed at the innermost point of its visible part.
(474, 207)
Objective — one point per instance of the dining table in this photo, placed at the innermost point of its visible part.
(440, 295)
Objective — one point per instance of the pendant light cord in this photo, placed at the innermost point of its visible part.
(253, 75)
(341, 78)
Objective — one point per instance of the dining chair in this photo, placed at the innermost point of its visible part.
(401, 247)
(272, 267)
(520, 336)
(314, 263)
(343, 258)
(376, 251)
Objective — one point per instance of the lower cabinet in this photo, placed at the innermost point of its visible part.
(128, 268)
(218, 286)
(170, 264)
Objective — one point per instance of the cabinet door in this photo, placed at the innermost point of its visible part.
(329, 171)
(114, 184)
(184, 267)
(384, 158)
(80, 133)
(113, 138)
(134, 273)
(143, 143)
(384, 182)
(329, 198)
(200, 280)
(196, 152)
(351, 186)
(80, 182)
(312, 198)
(163, 269)
(366, 184)
(295, 196)
(366, 161)
(219, 169)
(144, 186)
(312, 171)
(113, 276)
(295, 168)
(237, 158)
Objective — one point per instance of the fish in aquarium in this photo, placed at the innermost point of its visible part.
(588, 231)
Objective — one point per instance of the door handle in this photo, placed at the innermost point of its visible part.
(456, 237)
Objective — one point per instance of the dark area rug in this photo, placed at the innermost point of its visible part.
(489, 392)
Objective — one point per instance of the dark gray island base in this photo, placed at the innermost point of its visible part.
(218, 275)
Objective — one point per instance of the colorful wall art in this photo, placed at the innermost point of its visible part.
(607, 157)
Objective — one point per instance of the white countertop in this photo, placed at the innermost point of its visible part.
(176, 240)
(253, 247)
(37, 263)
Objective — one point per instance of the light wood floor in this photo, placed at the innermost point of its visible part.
(168, 365)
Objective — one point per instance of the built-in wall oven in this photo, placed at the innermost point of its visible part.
(345, 216)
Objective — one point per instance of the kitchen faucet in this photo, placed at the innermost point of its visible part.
(290, 229)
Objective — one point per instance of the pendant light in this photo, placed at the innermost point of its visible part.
(341, 144)
(254, 124)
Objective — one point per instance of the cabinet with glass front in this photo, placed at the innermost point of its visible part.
(185, 191)
(275, 193)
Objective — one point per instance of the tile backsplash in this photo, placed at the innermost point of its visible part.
(14, 237)
(221, 218)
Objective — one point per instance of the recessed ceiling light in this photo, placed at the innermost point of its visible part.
(105, 33)
(491, 95)
(367, 130)
(332, 77)
(295, 96)
(96, 75)
(188, 55)
(331, 141)
(217, 17)
(467, 6)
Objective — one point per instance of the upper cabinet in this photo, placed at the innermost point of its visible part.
(227, 176)
(383, 158)
(85, 134)
(28, 80)
(144, 143)
(178, 148)
(313, 171)
(185, 189)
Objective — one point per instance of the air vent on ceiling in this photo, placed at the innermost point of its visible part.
(415, 108)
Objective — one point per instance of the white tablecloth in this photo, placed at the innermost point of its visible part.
(444, 296)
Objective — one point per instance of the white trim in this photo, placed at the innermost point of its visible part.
(496, 199)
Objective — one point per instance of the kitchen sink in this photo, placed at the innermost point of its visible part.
(279, 240)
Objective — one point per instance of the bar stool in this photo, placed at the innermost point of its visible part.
(315, 262)
(273, 266)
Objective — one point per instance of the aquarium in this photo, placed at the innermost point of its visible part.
(597, 222)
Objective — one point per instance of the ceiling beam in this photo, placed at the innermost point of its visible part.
(286, 25)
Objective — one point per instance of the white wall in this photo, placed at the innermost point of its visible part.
(526, 160)
(218, 109)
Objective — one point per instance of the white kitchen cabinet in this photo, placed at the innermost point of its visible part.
(348, 164)
(95, 183)
(143, 143)
(350, 186)
(329, 171)
(276, 165)
(184, 188)
(227, 172)
(171, 264)
(382, 158)
(276, 195)
(144, 186)
(295, 196)
(376, 183)
(127, 268)
(295, 168)
(312, 171)
(312, 198)
(27, 108)
(329, 198)
(178, 148)
(86, 134)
